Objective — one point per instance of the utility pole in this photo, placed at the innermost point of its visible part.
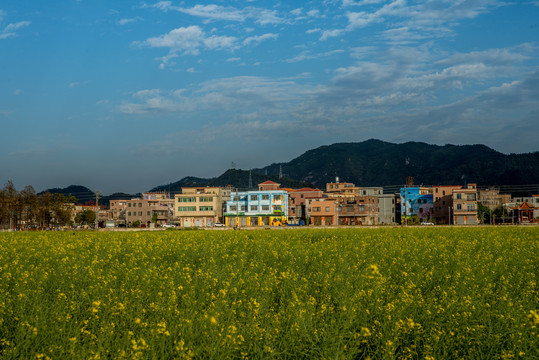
(96, 210)
(237, 209)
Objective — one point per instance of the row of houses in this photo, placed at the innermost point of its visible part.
(339, 204)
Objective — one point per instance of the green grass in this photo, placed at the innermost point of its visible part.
(441, 293)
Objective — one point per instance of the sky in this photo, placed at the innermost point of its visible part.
(122, 96)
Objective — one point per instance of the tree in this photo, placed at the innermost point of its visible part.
(483, 213)
(8, 209)
(28, 202)
(85, 217)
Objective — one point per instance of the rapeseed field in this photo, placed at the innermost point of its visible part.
(396, 293)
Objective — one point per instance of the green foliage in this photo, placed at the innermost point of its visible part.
(417, 293)
(85, 217)
(483, 213)
(26, 209)
(379, 163)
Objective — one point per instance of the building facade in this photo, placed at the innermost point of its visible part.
(443, 203)
(158, 207)
(386, 209)
(416, 205)
(200, 206)
(257, 208)
(297, 208)
(465, 205)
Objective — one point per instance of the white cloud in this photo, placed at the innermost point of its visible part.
(17, 92)
(2, 14)
(130, 20)
(191, 70)
(326, 34)
(259, 39)
(189, 40)
(233, 59)
(218, 12)
(415, 20)
(10, 30)
(307, 55)
(346, 3)
(74, 84)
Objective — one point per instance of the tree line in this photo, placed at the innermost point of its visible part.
(27, 210)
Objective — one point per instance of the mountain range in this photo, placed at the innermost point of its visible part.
(380, 163)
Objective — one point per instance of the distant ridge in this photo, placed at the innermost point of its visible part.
(379, 163)
(236, 178)
(374, 163)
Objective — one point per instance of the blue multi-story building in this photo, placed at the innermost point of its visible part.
(416, 204)
(257, 208)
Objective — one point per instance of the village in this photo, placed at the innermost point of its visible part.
(340, 203)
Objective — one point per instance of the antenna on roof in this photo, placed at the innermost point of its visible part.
(233, 165)
(280, 171)
(250, 180)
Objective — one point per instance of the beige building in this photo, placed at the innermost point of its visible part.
(492, 198)
(151, 206)
(465, 205)
(443, 203)
(200, 206)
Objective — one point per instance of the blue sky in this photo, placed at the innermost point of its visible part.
(127, 95)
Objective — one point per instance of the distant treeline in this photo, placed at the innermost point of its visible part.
(26, 209)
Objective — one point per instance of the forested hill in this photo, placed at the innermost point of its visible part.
(379, 163)
(237, 178)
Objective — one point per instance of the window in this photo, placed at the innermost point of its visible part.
(148, 213)
(459, 196)
(140, 213)
(205, 208)
(205, 199)
(316, 209)
(187, 208)
(233, 208)
(265, 197)
(327, 208)
(129, 213)
(443, 192)
(459, 206)
(265, 207)
(301, 196)
(277, 207)
(254, 208)
(254, 197)
(471, 207)
(129, 204)
(187, 199)
(242, 207)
